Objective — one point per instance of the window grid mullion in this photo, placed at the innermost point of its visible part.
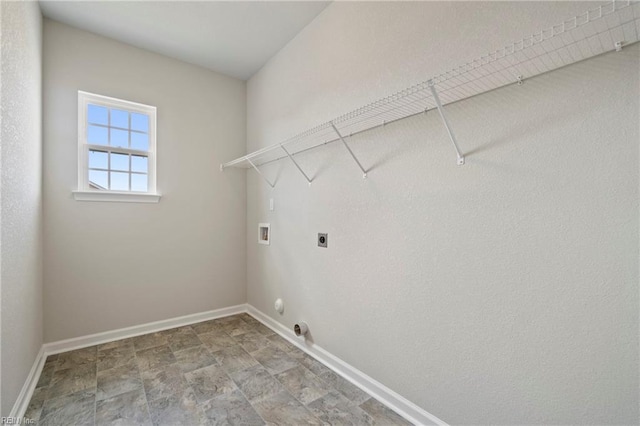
(98, 169)
(117, 128)
(118, 150)
(129, 146)
(86, 154)
(109, 154)
(109, 171)
(111, 150)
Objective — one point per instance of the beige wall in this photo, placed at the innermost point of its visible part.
(113, 265)
(501, 292)
(20, 196)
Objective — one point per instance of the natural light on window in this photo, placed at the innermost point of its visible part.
(116, 142)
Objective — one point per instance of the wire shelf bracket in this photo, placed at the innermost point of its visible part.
(436, 98)
(260, 173)
(364, 172)
(296, 164)
(610, 27)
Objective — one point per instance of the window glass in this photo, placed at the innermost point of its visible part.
(140, 122)
(119, 162)
(119, 138)
(98, 180)
(139, 163)
(98, 115)
(139, 141)
(119, 181)
(116, 142)
(139, 182)
(97, 135)
(98, 160)
(119, 118)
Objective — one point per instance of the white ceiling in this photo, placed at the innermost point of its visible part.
(234, 38)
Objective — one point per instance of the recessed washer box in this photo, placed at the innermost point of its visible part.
(264, 233)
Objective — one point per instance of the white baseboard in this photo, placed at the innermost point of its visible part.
(24, 397)
(137, 330)
(21, 404)
(393, 400)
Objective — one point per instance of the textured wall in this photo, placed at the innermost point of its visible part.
(113, 265)
(20, 196)
(501, 292)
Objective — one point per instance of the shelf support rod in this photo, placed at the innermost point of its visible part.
(364, 172)
(432, 86)
(260, 173)
(296, 164)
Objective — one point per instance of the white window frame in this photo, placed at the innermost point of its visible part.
(84, 191)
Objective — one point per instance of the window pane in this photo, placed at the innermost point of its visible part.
(140, 122)
(119, 118)
(138, 163)
(139, 183)
(97, 135)
(119, 162)
(98, 160)
(98, 115)
(140, 141)
(98, 180)
(119, 138)
(119, 181)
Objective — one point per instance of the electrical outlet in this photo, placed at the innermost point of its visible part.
(323, 240)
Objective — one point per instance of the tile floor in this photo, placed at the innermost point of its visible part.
(231, 370)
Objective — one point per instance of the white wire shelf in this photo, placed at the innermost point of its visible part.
(603, 29)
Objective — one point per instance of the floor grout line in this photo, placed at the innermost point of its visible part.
(95, 396)
(238, 386)
(144, 390)
(48, 386)
(278, 381)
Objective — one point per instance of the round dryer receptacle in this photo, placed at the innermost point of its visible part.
(301, 328)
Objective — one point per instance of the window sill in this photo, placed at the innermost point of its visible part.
(116, 197)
